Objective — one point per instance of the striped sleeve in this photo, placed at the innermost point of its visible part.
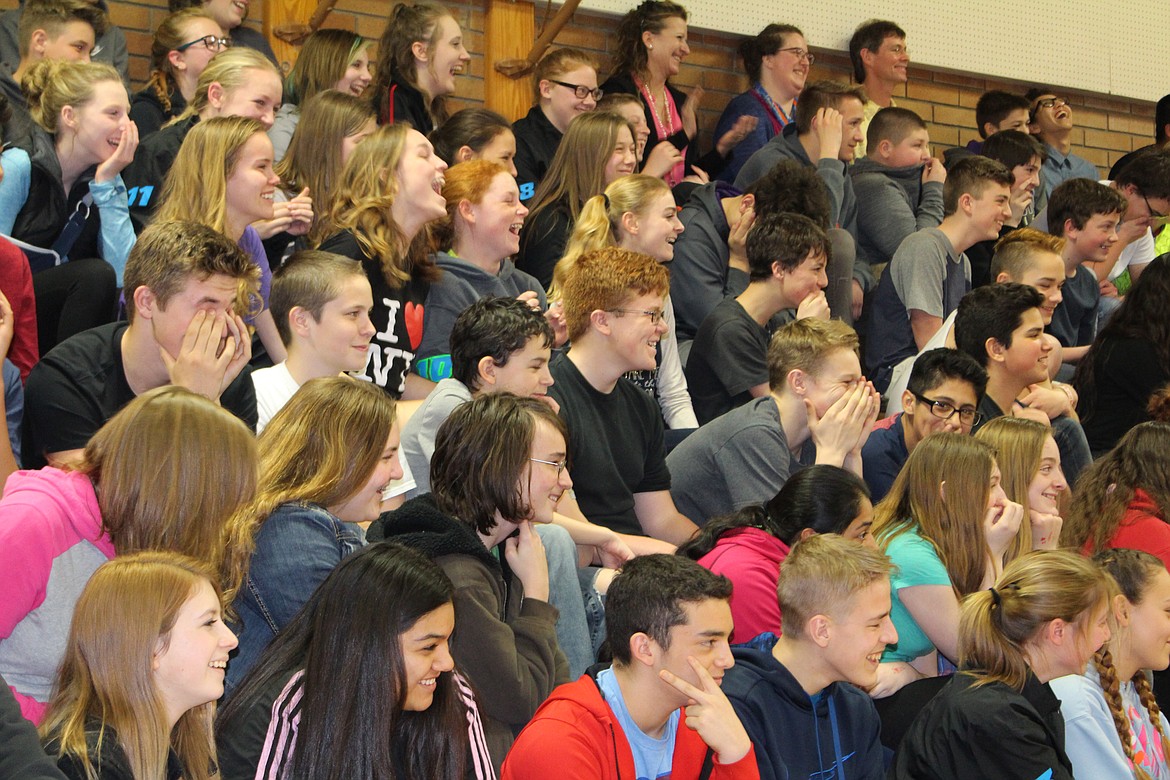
(281, 740)
(481, 760)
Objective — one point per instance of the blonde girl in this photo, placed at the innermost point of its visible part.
(223, 178)
(1043, 618)
(1029, 461)
(144, 666)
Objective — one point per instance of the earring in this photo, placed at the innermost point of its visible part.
(649, 46)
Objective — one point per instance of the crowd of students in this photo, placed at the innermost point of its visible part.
(363, 439)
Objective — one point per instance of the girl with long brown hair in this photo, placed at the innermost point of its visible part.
(946, 524)
(1113, 725)
(135, 490)
(184, 42)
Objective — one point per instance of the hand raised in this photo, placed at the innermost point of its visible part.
(710, 714)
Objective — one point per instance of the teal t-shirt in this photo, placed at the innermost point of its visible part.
(917, 564)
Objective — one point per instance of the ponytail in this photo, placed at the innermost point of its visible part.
(997, 624)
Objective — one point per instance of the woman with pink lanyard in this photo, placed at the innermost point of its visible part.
(652, 43)
(777, 61)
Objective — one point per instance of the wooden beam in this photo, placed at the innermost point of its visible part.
(509, 29)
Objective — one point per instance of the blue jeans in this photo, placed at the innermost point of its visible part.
(1075, 455)
(576, 632)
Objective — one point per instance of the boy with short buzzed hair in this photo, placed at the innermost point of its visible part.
(52, 30)
(1086, 214)
(803, 703)
(929, 273)
(109, 47)
(787, 255)
(995, 111)
(899, 186)
(321, 305)
(818, 409)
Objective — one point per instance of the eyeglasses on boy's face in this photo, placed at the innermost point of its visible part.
(945, 411)
(655, 315)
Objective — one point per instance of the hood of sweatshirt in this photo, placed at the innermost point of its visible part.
(69, 495)
(810, 735)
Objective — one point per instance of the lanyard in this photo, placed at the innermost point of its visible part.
(776, 114)
(664, 129)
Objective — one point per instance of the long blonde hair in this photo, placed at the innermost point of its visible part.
(577, 170)
(599, 224)
(950, 519)
(1019, 447)
(361, 204)
(128, 607)
(196, 185)
(996, 625)
(231, 69)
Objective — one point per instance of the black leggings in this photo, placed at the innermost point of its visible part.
(72, 297)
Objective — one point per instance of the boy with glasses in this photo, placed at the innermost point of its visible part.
(613, 301)
(818, 409)
(1050, 118)
(943, 394)
(728, 366)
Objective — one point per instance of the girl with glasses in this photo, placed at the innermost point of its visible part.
(777, 61)
(495, 471)
(565, 84)
(183, 45)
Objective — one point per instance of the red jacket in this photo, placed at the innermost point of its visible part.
(1142, 528)
(574, 736)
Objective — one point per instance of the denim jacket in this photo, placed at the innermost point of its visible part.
(296, 548)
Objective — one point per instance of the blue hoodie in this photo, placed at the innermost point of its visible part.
(833, 735)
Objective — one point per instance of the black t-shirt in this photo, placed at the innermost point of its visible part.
(398, 315)
(615, 446)
(728, 358)
(81, 384)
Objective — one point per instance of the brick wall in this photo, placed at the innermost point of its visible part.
(1106, 127)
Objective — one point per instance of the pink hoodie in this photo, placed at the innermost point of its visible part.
(51, 542)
